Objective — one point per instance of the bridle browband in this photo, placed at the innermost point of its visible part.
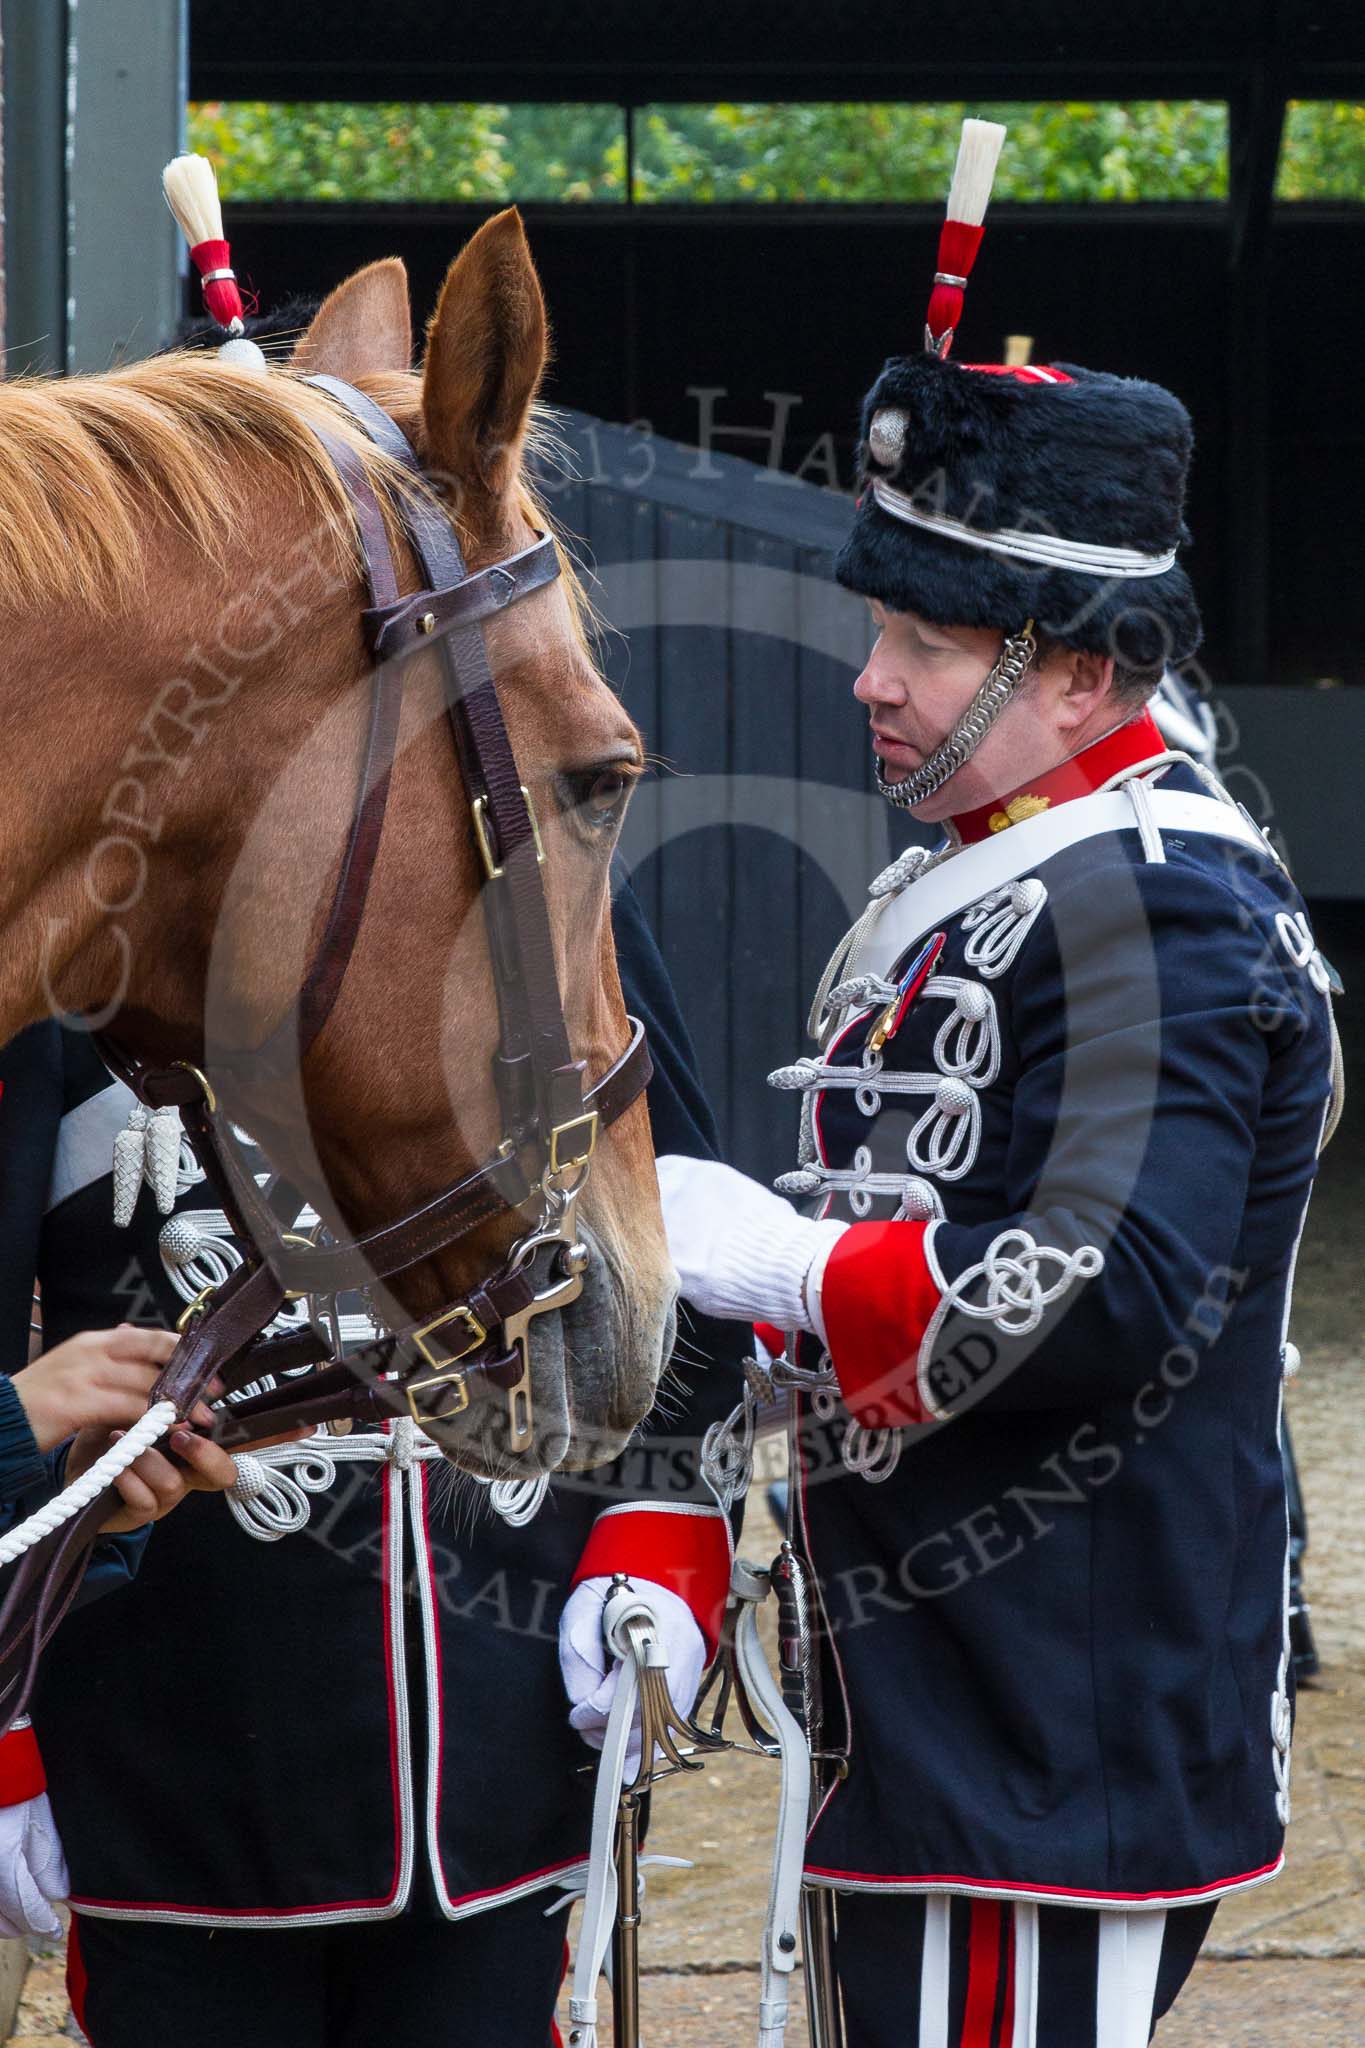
(479, 1344)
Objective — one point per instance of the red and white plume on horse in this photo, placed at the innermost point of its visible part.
(960, 237)
(192, 195)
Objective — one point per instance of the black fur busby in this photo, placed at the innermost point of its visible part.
(1097, 459)
(276, 331)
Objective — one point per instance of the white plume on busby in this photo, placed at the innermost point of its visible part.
(978, 153)
(191, 190)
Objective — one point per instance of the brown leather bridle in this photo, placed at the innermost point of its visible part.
(478, 1345)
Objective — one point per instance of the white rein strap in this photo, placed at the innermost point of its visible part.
(600, 1895)
(634, 1646)
(779, 1959)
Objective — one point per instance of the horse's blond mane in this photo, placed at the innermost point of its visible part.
(83, 460)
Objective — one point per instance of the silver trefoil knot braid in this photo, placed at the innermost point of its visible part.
(967, 735)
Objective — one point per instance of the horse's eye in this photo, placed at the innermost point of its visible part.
(598, 795)
(607, 792)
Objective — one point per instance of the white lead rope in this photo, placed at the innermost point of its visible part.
(64, 1506)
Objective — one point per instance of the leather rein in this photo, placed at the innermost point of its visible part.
(478, 1346)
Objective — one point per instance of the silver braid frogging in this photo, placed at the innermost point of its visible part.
(967, 735)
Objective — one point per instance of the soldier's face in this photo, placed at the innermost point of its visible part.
(918, 681)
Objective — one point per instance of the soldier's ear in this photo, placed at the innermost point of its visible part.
(1081, 680)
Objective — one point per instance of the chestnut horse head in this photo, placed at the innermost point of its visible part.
(183, 698)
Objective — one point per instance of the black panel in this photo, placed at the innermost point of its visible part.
(622, 49)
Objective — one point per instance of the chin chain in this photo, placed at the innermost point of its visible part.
(967, 735)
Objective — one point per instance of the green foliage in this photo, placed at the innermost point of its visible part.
(1059, 150)
(1323, 153)
(1066, 152)
(321, 149)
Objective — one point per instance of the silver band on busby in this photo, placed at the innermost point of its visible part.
(967, 735)
(1047, 550)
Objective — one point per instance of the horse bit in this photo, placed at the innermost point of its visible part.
(479, 1345)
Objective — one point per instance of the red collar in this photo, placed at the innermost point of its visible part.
(1136, 741)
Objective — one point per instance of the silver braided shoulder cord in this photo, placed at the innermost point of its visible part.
(967, 735)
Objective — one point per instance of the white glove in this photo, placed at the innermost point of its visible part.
(32, 1869)
(591, 1675)
(741, 1251)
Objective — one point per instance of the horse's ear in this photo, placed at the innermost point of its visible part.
(363, 327)
(487, 347)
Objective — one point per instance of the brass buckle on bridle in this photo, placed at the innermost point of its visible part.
(195, 1309)
(478, 812)
(445, 1363)
(461, 1313)
(580, 1131)
(309, 1244)
(570, 1152)
(205, 1085)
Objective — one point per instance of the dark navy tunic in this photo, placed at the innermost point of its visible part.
(1057, 1644)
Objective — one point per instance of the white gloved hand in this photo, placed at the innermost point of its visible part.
(32, 1869)
(741, 1251)
(591, 1674)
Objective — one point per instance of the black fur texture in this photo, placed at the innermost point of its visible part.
(1102, 459)
(281, 327)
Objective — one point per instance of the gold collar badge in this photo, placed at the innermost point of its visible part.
(1017, 809)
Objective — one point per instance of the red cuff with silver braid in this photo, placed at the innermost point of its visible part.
(686, 1548)
(877, 1297)
(213, 261)
(22, 1776)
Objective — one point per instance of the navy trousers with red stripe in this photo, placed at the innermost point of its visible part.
(491, 1981)
(941, 1972)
